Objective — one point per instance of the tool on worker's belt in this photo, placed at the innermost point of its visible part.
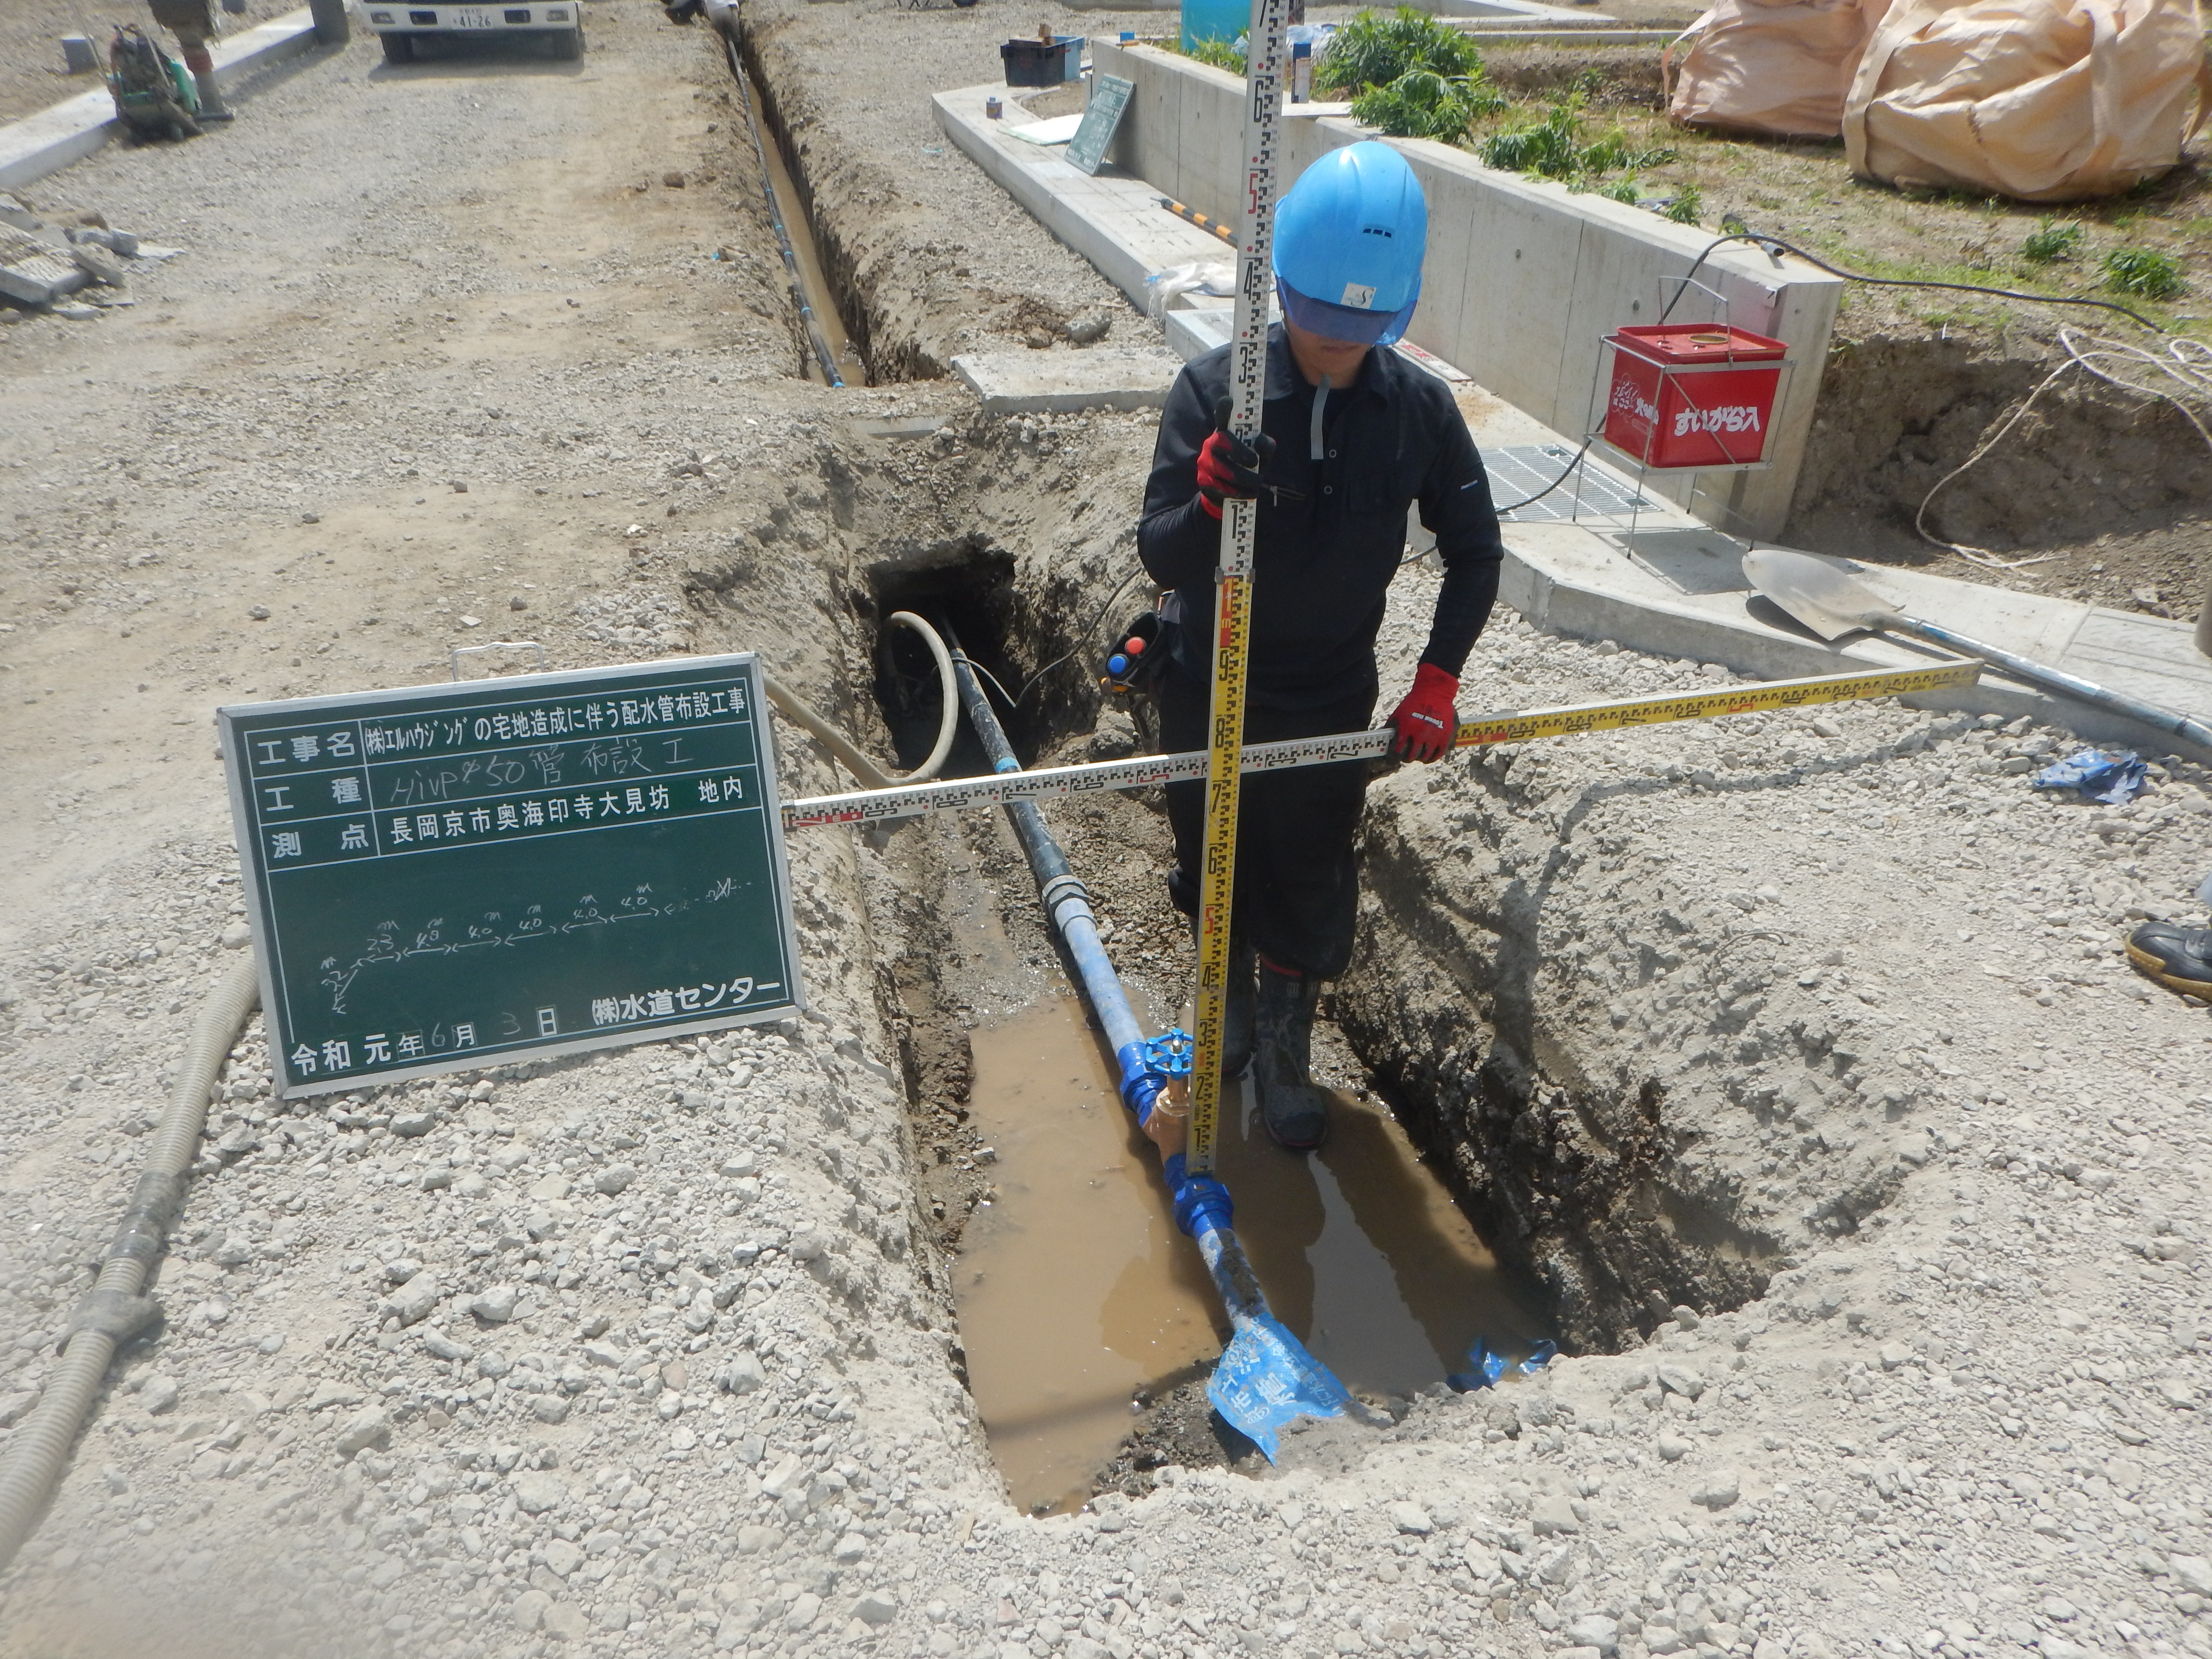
(962, 794)
(1833, 604)
(1232, 589)
(1206, 222)
(1140, 651)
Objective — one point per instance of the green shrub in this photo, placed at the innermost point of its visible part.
(1422, 103)
(1689, 203)
(2050, 240)
(1627, 191)
(1378, 50)
(2144, 273)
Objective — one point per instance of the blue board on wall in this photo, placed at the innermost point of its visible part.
(446, 878)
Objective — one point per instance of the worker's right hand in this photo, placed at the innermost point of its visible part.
(1227, 466)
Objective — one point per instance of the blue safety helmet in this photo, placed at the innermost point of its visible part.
(1349, 239)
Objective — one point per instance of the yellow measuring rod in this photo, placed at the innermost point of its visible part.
(1232, 580)
(1518, 726)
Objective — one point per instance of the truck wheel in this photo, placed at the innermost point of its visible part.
(569, 46)
(398, 48)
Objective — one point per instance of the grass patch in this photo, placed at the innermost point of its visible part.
(2145, 273)
(2051, 241)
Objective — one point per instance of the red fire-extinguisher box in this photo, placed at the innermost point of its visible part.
(1691, 394)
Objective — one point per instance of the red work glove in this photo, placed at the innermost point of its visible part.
(1427, 722)
(1227, 466)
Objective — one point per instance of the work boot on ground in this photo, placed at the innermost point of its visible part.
(1294, 1112)
(212, 108)
(2180, 958)
(1237, 1040)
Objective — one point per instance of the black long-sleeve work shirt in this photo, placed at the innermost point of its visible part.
(1332, 530)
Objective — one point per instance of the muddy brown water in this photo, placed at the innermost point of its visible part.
(798, 224)
(1076, 1293)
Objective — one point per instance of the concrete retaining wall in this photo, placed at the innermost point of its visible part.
(1522, 279)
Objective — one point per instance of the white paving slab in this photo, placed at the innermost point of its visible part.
(1112, 220)
(1059, 382)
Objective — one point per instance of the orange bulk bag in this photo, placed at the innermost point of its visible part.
(1780, 67)
(2043, 100)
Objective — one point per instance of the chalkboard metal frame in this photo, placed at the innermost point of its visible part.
(717, 701)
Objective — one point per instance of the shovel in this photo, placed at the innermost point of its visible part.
(1832, 604)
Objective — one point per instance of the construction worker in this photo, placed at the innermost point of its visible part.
(1353, 434)
(192, 21)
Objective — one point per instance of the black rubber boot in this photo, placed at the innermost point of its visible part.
(1294, 1112)
(1236, 1041)
(2180, 958)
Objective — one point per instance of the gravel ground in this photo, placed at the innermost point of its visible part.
(650, 1351)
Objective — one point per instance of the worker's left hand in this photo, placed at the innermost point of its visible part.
(1427, 722)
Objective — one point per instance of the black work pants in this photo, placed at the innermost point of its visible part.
(1297, 884)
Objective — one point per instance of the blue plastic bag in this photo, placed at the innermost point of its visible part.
(1267, 1379)
(2115, 779)
(1486, 1369)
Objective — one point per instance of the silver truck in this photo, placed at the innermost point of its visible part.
(400, 25)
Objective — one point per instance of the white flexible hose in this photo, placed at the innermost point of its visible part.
(116, 1307)
(855, 758)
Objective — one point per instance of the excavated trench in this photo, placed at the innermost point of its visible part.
(1493, 1174)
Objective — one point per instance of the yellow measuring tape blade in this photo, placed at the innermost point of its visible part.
(1712, 705)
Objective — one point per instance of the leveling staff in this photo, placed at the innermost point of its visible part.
(1351, 435)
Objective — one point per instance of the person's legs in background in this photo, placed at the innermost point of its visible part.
(192, 21)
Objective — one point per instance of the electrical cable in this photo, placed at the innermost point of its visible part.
(2186, 362)
(1762, 239)
(1083, 638)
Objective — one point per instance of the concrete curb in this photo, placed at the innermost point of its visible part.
(67, 132)
(1113, 221)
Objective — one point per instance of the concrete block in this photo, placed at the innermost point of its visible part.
(78, 55)
(39, 279)
(1060, 382)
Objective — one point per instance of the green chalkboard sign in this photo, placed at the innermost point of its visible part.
(452, 877)
(1109, 96)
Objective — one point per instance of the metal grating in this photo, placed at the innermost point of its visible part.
(1519, 471)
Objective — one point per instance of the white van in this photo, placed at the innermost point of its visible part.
(398, 24)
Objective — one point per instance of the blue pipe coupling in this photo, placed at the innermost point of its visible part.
(1201, 1203)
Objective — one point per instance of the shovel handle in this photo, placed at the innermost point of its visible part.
(2065, 685)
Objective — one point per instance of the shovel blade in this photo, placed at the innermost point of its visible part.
(1816, 593)
(1266, 1380)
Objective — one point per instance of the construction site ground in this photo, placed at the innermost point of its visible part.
(1790, 1061)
